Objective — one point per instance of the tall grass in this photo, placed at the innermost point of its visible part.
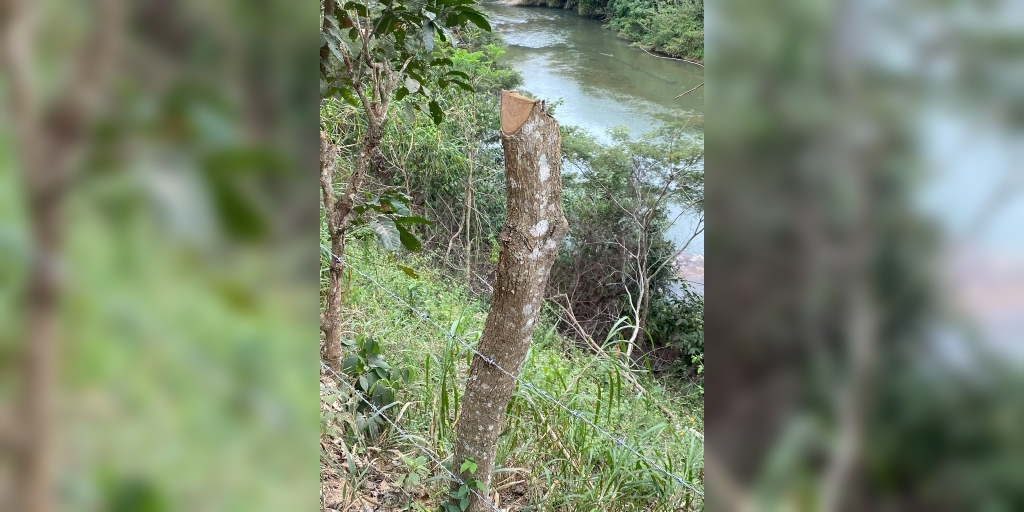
(547, 459)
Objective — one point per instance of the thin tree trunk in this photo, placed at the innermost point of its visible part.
(47, 136)
(338, 211)
(40, 370)
(466, 221)
(534, 228)
(330, 318)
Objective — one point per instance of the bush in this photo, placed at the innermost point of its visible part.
(678, 322)
(674, 27)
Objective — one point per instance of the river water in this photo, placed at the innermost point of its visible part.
(603, 82)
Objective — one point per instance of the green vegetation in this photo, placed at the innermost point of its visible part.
(452, 174)
(672, 27)
(545, 455)
(616, 266)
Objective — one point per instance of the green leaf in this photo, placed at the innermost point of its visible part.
(378, 362)
(383, 395)
(350, 365)
(409, 240)
(409, 272)
(412, 84)
(349, 98)
(464, 86)
(372, 347)
(469, 465)
(335, 51)
(464, 503)
(387, 234)
(476, 18)
(435, 112)
(357, 7)
(397, 202)
(371, 380)
(428, 35)
(450, 37)
(401, 93)
(413, 220)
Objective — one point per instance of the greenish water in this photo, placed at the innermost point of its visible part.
(603, 81)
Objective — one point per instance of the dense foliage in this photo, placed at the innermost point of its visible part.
(618, 255)
(452, 174)
(672, 27)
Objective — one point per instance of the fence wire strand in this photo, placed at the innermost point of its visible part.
(408, 436)
(524, 383)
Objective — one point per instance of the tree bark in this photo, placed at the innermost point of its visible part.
(534, 227)
(330, 318)
(338, 215)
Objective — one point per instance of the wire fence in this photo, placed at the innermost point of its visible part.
(526, 384)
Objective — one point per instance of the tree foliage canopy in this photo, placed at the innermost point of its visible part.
(367, 42)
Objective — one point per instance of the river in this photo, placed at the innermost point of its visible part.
(603, 82)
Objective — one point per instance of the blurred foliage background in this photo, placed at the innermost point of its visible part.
(187, 320)
(865, 286)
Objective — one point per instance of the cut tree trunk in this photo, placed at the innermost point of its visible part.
(534, 227)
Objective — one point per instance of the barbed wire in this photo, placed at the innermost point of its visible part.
(408, 436)
(526, 384)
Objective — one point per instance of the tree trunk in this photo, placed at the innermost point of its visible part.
(330, 318)
(338, 218)
(534, 227)
(40, 370)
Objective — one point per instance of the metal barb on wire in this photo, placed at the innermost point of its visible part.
(425, 451)
(524, 383)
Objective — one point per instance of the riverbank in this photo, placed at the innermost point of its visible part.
(673, 29)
